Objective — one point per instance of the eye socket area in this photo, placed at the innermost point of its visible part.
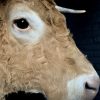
(21, 23)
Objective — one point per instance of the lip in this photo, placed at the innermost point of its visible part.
(36, 92)
(90, 94)
(27, 95)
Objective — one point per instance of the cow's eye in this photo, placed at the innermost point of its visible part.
(21, 23)
(25, 25)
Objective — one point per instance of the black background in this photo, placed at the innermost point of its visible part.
(85, 28)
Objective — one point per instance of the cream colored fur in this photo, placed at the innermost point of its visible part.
(49, 64)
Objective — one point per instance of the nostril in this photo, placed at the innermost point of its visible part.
(92, 84)
(89, 87)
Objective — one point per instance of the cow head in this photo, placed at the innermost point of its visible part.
(38, 54)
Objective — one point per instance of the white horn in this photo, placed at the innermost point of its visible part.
(68, 10)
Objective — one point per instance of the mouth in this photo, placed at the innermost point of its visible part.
(22, 95)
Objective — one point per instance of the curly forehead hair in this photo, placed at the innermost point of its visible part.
(4, 1)
(46, 3)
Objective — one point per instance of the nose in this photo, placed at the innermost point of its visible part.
(91, 85)
(87, 87)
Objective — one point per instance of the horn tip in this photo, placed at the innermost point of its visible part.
(83, 11)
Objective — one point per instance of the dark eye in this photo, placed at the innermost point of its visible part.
(21, 23)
